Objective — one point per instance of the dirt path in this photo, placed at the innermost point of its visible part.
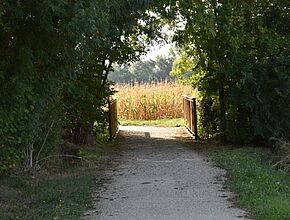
(159, 177)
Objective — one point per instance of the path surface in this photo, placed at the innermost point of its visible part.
(158, 176)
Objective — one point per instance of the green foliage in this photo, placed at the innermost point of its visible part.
(144, 71)
(84, 106)
(38, 41)
(207, 118)
(238, 52)
(262, 190)
(183, 67)
(56, 56)
(9, 159)
(54, 62)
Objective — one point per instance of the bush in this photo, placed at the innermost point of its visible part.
(208, 117)
(9, 159)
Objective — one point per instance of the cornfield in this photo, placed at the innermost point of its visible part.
(151, 101)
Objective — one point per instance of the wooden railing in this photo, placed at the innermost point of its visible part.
(113, 118)
(190, 115)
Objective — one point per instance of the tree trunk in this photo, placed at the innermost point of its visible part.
(222, 112)
(83, 134)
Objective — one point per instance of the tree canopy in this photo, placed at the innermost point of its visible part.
(56, 56)
(238, 56)
(55, 59)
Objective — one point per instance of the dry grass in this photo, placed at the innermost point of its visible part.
(151, 101)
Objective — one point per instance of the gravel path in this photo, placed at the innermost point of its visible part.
(158, 176)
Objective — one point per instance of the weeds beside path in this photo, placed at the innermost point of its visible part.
(261, 189)
(65, 193)
(63, 196)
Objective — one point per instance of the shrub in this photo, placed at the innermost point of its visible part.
(9, 159)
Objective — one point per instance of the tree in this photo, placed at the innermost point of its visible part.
(239, 51)
(93, 90)
(55, 58)
(39, 60)
(145, 71)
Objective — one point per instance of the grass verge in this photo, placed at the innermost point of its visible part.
(65, 196)
(261, 189)
(63, 191)
(171, 122)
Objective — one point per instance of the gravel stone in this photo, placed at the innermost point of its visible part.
(158, 175)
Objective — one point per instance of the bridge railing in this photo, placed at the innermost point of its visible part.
(190, 114)
(113, 118)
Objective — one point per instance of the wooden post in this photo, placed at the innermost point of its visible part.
(190, 114)
(195, 118)
(110, 120)
(113, 121)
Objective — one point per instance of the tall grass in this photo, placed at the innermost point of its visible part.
(151, 101)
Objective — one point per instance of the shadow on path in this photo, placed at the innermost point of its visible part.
(159, 176)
